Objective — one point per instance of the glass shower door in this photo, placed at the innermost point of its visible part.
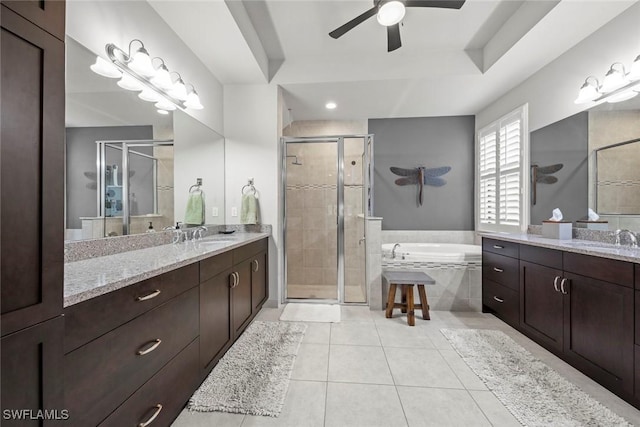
(311, 219)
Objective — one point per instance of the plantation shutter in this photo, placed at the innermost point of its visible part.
(500, 166)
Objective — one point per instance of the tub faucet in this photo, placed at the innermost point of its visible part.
(393, 251)
(632, 237)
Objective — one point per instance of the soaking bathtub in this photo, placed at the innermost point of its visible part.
(456, 268)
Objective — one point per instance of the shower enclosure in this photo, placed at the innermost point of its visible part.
(327, 196)
(133, 183)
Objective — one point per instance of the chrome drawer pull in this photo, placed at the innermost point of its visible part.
(153, 417)
(151, 295)
(149, 349)
(498, 270)
(498, 299)
(563, 290)
(237, 278)
(257, 265)
(498, 247)
(555, 283)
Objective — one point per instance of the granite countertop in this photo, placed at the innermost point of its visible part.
(97, 276)
(585, 247)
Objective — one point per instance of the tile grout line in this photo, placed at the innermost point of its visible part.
(395, 386)
(326, 387)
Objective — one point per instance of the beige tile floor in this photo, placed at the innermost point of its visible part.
(371, 371)
(352, 294)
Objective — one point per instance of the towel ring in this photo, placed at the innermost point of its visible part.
(251, 188)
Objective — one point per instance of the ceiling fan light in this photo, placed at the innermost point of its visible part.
(614, 79)
(105, 69)
(588, 92)
(390, 13)
(149, 95)
(130, 83)
(141, 63)
(162, 79)
(193, 101)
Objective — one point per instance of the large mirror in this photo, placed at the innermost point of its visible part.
(113, 136)
(599, 154)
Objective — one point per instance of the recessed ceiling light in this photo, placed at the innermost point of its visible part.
(330, 105)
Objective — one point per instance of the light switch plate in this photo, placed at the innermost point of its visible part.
(234, 211)
(214, 211)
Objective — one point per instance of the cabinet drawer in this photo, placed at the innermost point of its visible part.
(249, 250)
(90, 319)
(500, 269)
(171, 388)
(504, 301)
(609, 270)
(102, 374)
(500, 247)
(543, 256)
(215, 265)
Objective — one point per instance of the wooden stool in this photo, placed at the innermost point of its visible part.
(406, 280)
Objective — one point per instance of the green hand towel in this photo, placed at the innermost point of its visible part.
(194, 214)
(249, 209)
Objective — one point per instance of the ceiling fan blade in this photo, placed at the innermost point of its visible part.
(446, 4)
(340, 31)
(393, 37)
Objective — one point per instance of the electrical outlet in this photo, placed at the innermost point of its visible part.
(234, 211)
(214, 211)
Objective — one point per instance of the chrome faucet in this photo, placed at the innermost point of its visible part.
(393, 251)
(632, 237)
(198, 232)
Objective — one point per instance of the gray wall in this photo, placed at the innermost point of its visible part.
(563, 142)
(81, 158)
(429, 142)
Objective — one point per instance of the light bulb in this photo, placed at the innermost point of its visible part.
(141, 63)
(150, 95)
(179, 90)
(105, 69)
(193, 101)
(330, 105)
(130, 83)
(163, 112)
(391, 13)
(162, 79)
(164, 104)
(614, 79)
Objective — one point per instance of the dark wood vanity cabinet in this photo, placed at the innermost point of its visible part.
(500, 280)
(46, 14)
(581, 308)
(31, 169)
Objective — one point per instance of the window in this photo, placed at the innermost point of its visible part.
(502, 160)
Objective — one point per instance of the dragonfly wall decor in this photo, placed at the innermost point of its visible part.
(542, 175)
(421, 176)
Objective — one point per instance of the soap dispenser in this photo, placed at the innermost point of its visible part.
(150, 228)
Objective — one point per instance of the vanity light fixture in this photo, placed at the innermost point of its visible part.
(137, 72)
(163, 112)
(617, 85)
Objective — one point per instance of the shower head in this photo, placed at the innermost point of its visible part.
(295, 161)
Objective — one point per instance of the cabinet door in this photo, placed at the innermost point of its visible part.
(598, 336)
(31, 177)
(259, 282)
(541, 304)
(241, 297)
(31, 373)
(46, 14)
(215, 328)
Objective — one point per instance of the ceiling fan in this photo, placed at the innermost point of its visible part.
(390, 13)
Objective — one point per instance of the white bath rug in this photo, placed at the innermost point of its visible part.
(253, 376)
(297, 312)
(533, 392)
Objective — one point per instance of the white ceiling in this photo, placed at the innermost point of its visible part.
(452, 62)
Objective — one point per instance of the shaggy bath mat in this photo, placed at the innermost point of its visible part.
(253, 376)
(298, 312)
(533, 392)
